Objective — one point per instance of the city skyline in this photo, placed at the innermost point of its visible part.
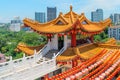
(27, 8)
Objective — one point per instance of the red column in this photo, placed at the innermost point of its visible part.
(92, 38)
(73, 39)
(73, 64)
(49, 38)
(76, 62)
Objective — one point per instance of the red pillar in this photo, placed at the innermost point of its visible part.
(92, 38)
(73, 64)
(73, 39)
(76, 62)
(49, 38)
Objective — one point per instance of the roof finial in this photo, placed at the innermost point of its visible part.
(70, 7)
(61, 13)
(82, 13)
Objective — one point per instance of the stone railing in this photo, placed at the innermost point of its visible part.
(44, 50)
(12, 65)
(29, 71)
(32, 66)
(60, 52)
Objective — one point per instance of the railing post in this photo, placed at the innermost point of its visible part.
(23, 59)
(35, 55)
(11, 66)
(54, 55)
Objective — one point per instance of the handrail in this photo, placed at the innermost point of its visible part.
(60, 52)
(20, 59)
(42, 52)
(8, 73)
(42, 49)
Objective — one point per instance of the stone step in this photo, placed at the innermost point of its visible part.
(50, 54)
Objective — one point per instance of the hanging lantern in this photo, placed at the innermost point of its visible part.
(75, 32)
(68, 33)
(72, 31)
(65, 34)
(39, 32)
(82, 33)
(79, 31)
(58, 35)
(70, 62)
(48, 35)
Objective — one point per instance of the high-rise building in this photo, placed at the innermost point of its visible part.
(114, 32)
(116, 18)
(40, 17)
(112, 17)
(94, 16)
(100, 14)
(97, 15)
(15, 24)
(51, 13)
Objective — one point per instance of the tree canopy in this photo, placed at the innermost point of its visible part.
(9, 41)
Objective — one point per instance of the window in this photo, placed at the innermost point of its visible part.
(60, 23)
(84, 22)
(119, 31)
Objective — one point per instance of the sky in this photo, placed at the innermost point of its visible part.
(27, 8)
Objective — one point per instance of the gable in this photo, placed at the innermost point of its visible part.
(59, 22)
(84, 22)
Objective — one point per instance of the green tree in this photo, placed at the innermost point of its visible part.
(9, 41)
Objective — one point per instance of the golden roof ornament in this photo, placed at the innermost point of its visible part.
(70, 7)
(61, 13)
(82, 14)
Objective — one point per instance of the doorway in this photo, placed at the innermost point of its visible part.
(60, 42)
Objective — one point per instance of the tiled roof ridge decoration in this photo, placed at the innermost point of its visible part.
(69, 21)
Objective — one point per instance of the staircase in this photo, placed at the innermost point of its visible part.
(50, 54)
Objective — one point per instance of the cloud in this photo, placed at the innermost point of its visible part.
(88, 5)
(108, 6)
(104, 4)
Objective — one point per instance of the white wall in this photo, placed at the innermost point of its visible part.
(15, 27)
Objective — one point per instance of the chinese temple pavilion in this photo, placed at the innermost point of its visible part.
(68, 30)
(66, 34)
(69, 24)
(70, 53)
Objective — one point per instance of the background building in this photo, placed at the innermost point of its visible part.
(40, 17)
(15, 24)
(51, 13)
(116, 19)
(114, 32)
(112, 18)
(97, 15)
(94, 16)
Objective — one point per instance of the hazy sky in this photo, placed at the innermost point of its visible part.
(26, 8)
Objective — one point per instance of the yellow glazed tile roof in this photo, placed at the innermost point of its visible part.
(29, 50)
(65, 22)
